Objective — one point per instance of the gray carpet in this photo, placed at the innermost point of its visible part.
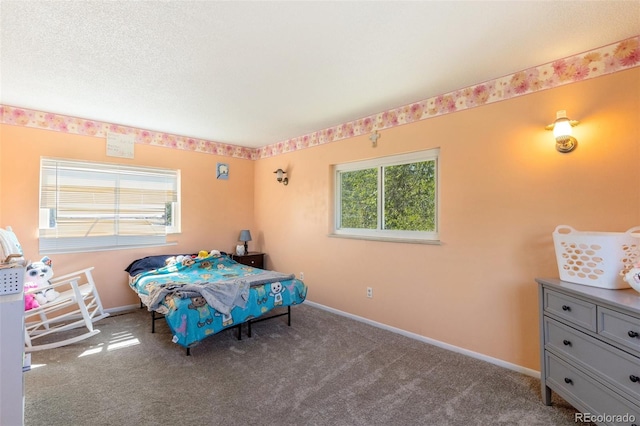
(323, 370)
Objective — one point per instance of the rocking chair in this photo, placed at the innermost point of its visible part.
(77, 306)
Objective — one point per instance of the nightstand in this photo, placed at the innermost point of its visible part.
(253, 258)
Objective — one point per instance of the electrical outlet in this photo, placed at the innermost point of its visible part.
(302, 276)
(369, 292)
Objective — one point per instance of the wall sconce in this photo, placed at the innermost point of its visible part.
(562, 132)
(280, 176)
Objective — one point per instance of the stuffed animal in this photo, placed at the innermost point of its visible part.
(632, 276)
(40, 273)
(30, 301)
(175, 260)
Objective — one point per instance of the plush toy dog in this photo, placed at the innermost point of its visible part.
(40, 273)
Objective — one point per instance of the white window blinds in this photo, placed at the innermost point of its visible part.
(87, 206)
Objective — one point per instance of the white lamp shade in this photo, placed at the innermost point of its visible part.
(562, 127)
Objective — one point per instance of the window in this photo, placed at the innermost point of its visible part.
(86, 206)
(390, 198)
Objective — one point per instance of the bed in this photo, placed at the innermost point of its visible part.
(201, 295)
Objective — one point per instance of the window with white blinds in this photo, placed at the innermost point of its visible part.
(87, 206)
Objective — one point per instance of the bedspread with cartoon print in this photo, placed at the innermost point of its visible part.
(182, 291)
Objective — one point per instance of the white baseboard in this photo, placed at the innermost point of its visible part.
(120, 309)
(477, 355)
(111, 311)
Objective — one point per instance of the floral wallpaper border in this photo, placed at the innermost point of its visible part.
(601, 61)
(80, 126)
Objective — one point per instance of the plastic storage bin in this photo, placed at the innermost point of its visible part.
(596, 258)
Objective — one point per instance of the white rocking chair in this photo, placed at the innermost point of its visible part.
(78, 305)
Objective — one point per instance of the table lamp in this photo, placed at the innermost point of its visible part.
(245, 236)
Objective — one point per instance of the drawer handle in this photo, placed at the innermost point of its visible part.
(634, 379)
(568, 381)
(566, 308)
(632, 333)
(566, 342)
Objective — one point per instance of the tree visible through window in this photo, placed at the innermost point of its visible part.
(410, 197)
(391, 197)
(359, 208)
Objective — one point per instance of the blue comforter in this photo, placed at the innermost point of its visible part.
(202, 296)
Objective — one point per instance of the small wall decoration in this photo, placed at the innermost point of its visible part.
(120, 145)
(222, 171)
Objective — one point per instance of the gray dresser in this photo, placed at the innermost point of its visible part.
(590, 350)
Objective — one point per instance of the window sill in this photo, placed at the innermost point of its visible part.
(387, 239)
(107, 248)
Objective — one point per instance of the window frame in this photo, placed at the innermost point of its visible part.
(379, 234)
(121, 174)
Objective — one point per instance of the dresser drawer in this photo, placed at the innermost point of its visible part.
(621, 328)
(572, 309)
(585, 393)
(615, 366)
(254, 259)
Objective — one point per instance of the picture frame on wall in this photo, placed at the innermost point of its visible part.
(222, 171)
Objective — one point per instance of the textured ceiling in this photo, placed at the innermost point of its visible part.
(256, 73)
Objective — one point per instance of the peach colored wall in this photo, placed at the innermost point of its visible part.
(503, 190)
(213, 211)
(1, 222)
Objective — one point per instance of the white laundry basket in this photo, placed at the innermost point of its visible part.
(597, 259)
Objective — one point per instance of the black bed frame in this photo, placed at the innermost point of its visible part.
(155, 317)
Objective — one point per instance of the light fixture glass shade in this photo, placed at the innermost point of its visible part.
(280, 177)
(245, 235)
(565, 142)
(562, 127)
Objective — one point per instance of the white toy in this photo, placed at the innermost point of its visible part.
(632, 276)
(40, 273)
